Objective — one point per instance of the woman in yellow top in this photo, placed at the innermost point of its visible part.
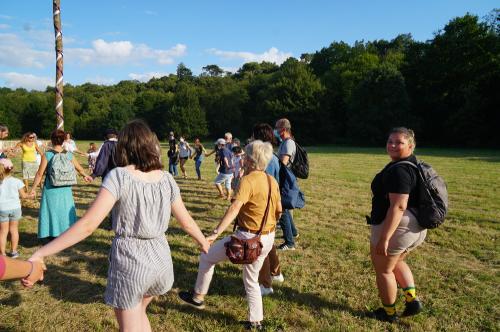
(248, 207)
(29, 149)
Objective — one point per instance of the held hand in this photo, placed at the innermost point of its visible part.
(211, 238)
(32, 194)
(35, 275)
(205, 247)
(88, 178)
(381, 248)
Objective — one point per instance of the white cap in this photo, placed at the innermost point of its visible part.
(221, 141)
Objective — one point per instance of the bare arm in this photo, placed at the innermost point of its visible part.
(40, 152)
(231, 214)
(398, 204)
(285, 159)
(188, 225)
(80, 170)
(39, 174)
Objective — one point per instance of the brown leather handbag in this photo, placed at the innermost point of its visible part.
(241, 251)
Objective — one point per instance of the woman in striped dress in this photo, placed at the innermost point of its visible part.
(142, 197)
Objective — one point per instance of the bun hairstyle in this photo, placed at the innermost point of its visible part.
(407, 133)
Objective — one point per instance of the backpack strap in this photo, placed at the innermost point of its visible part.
(406, 162)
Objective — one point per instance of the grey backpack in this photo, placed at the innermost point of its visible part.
(432, 195)
(61, 171)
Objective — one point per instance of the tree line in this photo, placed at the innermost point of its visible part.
(446, 89)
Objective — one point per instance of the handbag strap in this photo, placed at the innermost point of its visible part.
(264, 219)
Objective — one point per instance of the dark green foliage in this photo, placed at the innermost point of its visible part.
(446, 89)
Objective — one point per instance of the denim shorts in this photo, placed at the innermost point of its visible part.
(10, 215)
(224, 178)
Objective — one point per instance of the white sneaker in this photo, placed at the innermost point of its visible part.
(266, 291)
(278, 278)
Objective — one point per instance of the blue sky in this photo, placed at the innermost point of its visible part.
(108, 41)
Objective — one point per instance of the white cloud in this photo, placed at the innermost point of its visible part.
(16, 53)
(272, 55)
(146, 76)
(122, 52)
(27, 81)
(230, 69)
(101, 80)
(6, 17)
(150, 12)
(4, 26)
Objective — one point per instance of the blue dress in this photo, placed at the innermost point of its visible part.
(57, 207)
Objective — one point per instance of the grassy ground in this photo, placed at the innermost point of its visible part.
(329, 283)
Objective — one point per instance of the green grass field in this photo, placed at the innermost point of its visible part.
(329, 282)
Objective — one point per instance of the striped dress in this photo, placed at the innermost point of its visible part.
(140, 263)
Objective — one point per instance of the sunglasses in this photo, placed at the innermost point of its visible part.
(31, 136)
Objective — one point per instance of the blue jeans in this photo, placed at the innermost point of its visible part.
(172, 169)
(289, 230)
(197, 165)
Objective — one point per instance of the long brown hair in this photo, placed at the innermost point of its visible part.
(26, 136)
(139, 146)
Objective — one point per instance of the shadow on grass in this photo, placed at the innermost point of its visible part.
(14, 298)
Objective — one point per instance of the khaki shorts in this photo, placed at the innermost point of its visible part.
(406, 237)
(29, 169)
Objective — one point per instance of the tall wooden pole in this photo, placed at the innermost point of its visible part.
(56, 9)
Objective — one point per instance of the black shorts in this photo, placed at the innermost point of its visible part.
(183, 158)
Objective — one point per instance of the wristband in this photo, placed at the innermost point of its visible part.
(31, 271)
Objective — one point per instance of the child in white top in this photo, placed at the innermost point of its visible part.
(10, 207)
(238, 165)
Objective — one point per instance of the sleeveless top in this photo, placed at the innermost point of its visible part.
(29, 153)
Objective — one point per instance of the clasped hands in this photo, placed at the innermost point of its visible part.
(37, 271)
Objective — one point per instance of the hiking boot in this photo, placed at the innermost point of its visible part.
(381, 315)
(278, 278)
(187, 297)
(266, 291)
(412, 308)
(254, 326)
(285, 246)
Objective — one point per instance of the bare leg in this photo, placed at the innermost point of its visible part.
(14, 235)
(183, 161)
(4, 231)
(403, 273)
(386, 280)
(219, 188)
(130, 320)
(146, 326)
(26, 184)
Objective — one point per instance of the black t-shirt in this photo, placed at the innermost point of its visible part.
(398, 179)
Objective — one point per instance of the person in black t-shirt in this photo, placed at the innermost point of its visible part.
(394, 228)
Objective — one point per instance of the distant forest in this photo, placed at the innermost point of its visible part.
(447, 89)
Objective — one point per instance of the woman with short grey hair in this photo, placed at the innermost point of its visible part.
(249, 207)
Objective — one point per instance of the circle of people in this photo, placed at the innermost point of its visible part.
(129, 163)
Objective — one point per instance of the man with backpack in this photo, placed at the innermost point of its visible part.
(286, 154)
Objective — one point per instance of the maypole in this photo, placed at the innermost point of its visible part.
(56, 9)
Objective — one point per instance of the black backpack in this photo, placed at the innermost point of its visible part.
(432, 195)
(300, 164)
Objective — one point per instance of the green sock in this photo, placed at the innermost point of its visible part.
(410, 293)
(390, 309)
